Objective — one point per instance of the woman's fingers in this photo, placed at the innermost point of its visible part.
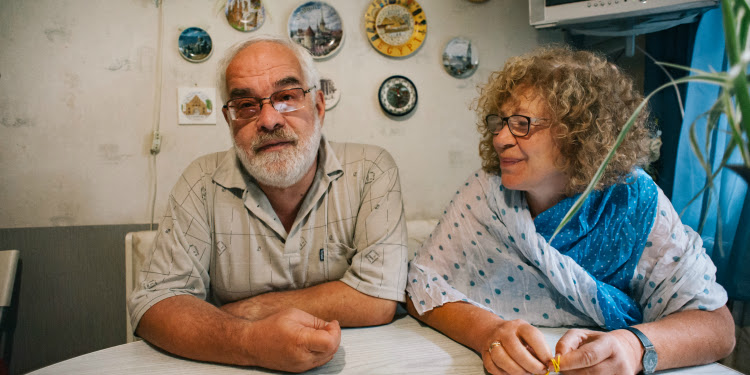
(571, 340)
(534, 338)
(503, 360)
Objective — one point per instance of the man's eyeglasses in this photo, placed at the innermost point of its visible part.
(246, 109)
(517, 124)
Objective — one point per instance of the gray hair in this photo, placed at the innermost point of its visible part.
(310, 75)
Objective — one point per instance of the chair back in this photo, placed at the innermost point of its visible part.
(8, 263)
(8, 266)
(419, 231)
(137, 245)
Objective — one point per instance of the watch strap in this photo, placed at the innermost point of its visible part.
(649, 353)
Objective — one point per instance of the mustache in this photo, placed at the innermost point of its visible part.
(278, 135)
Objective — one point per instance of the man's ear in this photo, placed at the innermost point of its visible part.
(225, 111)
(320, 105)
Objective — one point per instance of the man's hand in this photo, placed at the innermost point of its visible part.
(515, 347)
(593, 352)
(295, 341)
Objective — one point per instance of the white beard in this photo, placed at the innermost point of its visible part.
(283, 168)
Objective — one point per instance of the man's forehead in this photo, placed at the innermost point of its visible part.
(286, 82)
(263, 64)
(265, 55)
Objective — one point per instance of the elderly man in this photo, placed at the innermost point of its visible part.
(291, 235)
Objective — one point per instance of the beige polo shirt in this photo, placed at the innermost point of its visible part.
(221, 240)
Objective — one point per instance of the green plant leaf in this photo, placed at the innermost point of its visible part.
(719, 76)
(742, 10)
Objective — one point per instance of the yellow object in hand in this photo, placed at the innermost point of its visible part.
(555, 364)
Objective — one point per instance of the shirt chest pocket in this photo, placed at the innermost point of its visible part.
(338, 259)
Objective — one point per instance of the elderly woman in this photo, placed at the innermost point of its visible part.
(624, 265)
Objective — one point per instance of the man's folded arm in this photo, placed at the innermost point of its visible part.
(290, 340)
(329, 301)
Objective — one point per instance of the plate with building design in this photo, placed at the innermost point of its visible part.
(317, 26)
(195, 105)
(395, 28)
(245, 15)
(331, 93)
(460, 58)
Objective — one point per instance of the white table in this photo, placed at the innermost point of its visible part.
(402, 347)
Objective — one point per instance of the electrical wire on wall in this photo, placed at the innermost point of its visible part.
(155, 135)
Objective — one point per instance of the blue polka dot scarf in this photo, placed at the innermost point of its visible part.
(486, 250)
(606, 238)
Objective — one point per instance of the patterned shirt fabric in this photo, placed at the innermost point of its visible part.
(221, 240)
(486, 250)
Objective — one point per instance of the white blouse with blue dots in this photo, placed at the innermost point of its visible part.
(523, 277)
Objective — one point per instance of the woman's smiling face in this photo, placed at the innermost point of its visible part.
(529, 163)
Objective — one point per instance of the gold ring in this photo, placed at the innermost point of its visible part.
(494, 344)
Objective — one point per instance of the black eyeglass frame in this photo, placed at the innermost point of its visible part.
(261, 101)
(504, 122)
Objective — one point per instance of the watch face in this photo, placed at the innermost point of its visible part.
(395, 28)
(650, 359)
(397, 95)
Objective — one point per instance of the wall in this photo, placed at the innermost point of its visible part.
(77, 101)
(77, 107)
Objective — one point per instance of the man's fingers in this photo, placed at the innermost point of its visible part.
(321, 360)
(333, 327)
(587, 355)
(324, 340)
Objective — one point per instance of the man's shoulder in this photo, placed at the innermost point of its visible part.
(355, 153)
(208, 163)
(343, 148)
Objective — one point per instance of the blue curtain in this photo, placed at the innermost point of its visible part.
(722, 214)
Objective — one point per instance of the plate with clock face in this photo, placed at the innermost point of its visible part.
(397, 95)
(395, 28)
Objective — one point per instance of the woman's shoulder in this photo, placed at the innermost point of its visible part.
(639, 186)
(481, 181)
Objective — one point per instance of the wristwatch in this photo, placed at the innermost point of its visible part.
(650, 358)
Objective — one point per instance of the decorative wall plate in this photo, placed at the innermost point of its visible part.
(331, 93)
(195, 44)
(395, 28)
(196, 105)
(316, 26)
(397, 95)
(245, 15)
(460, 58)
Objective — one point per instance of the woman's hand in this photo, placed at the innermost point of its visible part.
(593, 352)
(515, 347)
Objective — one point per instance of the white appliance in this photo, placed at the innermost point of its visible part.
(557, 13)
(616, 18)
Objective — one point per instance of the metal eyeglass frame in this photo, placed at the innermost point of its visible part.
(261, 101)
